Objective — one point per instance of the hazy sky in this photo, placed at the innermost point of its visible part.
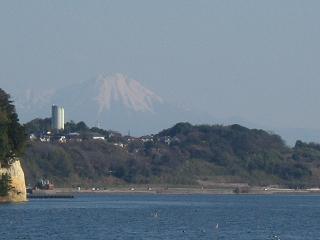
(257, 60)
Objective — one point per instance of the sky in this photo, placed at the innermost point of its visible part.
(254, 60)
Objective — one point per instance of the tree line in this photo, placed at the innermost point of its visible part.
(195, 152)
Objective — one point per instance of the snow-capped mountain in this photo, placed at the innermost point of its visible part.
(119, 103)
(109, 101)
(118, 88)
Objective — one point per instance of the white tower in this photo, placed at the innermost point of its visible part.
(57, 118)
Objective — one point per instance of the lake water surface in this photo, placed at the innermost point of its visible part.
(135, 217)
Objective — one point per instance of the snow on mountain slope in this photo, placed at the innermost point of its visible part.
(111, 101)
(120, 103)
(130, 93)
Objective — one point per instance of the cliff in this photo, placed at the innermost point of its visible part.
(18, 193)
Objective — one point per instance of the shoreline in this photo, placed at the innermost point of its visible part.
(181, 191)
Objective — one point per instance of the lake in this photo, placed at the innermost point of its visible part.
(195, 217)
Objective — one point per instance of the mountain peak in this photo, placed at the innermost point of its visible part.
(119, 88)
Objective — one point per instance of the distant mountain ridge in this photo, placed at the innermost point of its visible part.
(105, 91)
(109, 101)
(123, 104)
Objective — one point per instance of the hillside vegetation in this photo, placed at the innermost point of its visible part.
(183, 154)
(12, 140)
(12, 135)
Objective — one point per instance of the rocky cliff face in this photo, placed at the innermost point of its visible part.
(18, 194)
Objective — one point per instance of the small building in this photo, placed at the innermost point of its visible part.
(32, 137)
(59, 138)
(74, 137)
(97, 136)
(148, 138)
(119, 145)
(45, 138)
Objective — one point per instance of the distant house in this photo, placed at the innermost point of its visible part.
(41, 136)
(167, 140)
(58, 138)
(74, 137)
(32, 137)
(45, 138)
(97, 136)
(114, 136)
(62, 139)
(130, 139)
(119, 145)
(148, 138)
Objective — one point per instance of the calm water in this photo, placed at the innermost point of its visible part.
(163, 217)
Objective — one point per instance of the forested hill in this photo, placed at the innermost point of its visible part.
(183, 154)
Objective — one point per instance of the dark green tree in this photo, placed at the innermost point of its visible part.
(38, 125)
(5, 184)
(12, 134)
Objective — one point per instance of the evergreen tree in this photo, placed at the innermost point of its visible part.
(12, 134)
(5, 184)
